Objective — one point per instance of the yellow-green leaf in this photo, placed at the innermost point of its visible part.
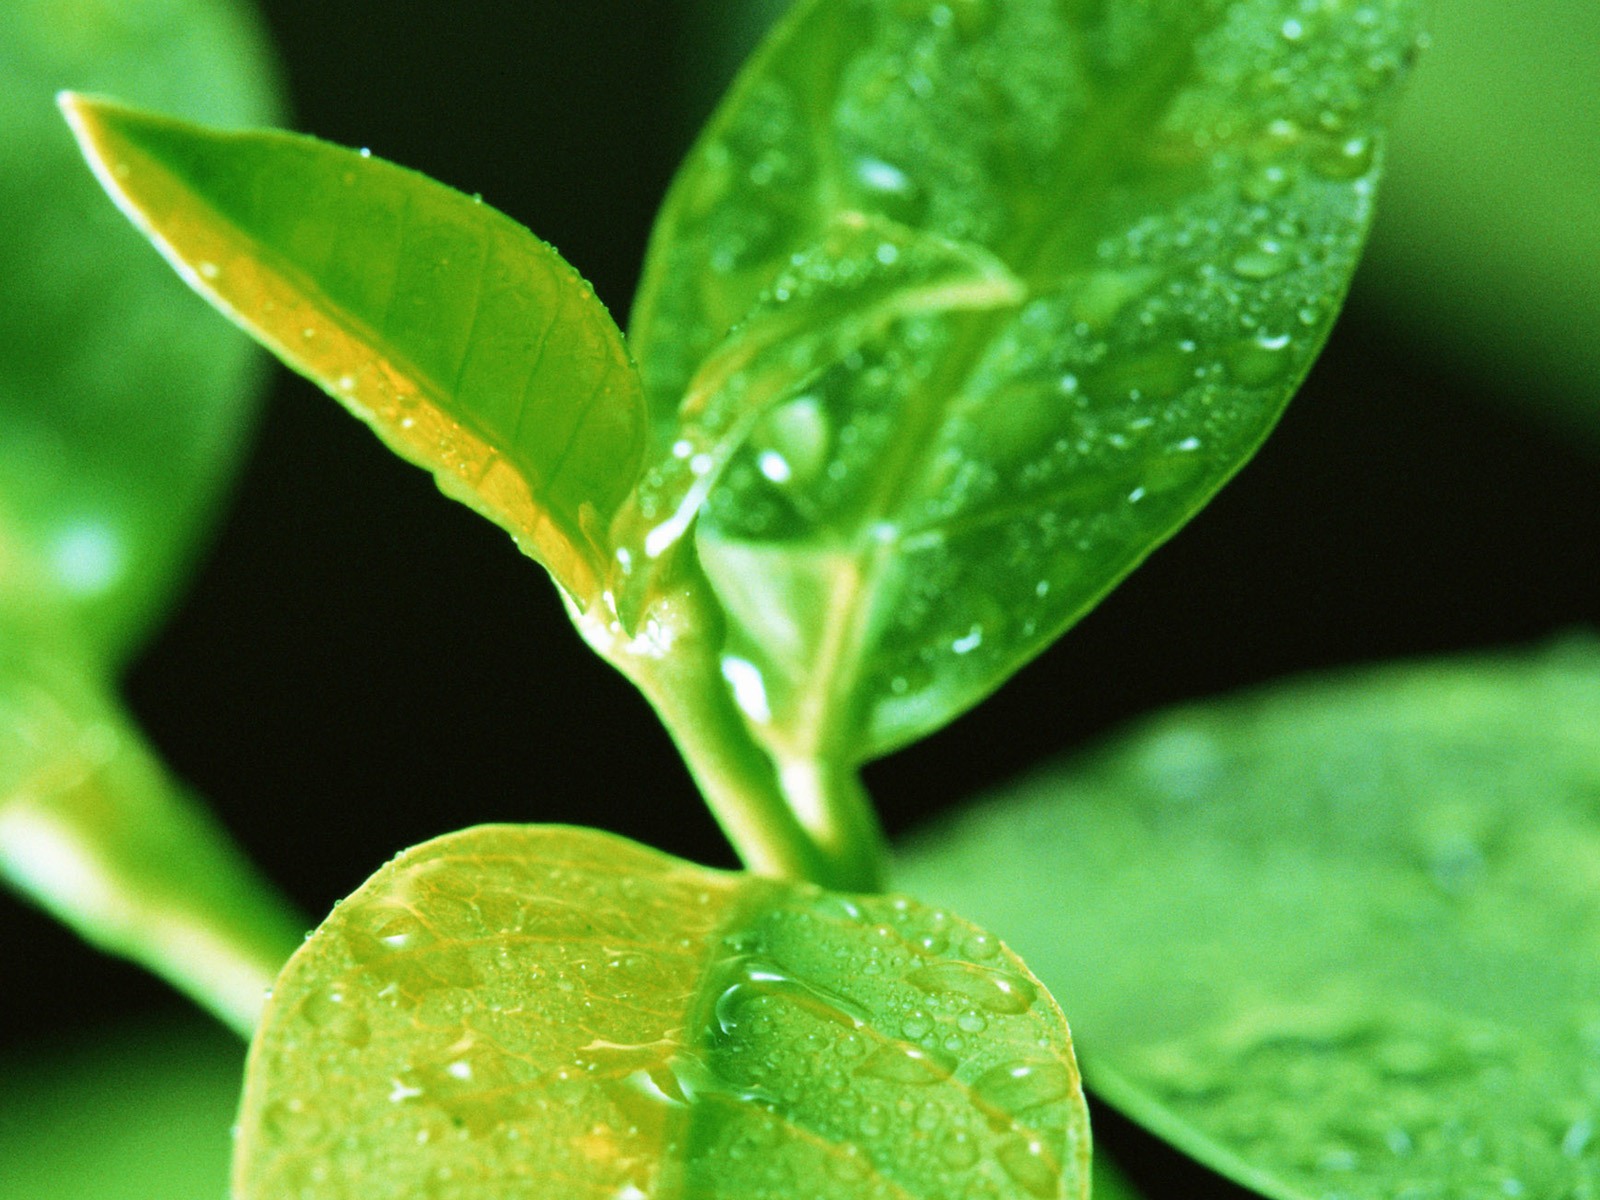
(470, 346)
(533, 1011)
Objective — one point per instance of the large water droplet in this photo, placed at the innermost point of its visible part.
(902, 1063)
(1015, 1086)
(990, 989)
(1029, 1164)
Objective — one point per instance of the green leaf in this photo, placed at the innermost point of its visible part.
(139, 1113)
(1336, 939)
(469, 345)
(122, 402)
(94, 830)
(514, 1010)
(1488, 238)
(957, 310)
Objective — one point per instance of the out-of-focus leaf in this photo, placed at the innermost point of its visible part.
(469, 346)
(139, 1114)
(1110, 1183)
(1488, 239)
(958, 310)
(512, 1011)
(1337, 939)
(94, 830)
(121, 401)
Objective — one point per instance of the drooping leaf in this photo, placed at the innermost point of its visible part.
(1142, 218)
(122, 400)
(470, 346)
(137, 1113)
(1337, 939)
(93, 829)
(514, 1011)
(1487, 242)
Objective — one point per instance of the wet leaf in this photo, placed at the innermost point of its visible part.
(1334, 939)
(122, 400)
(470, 346)
(1048, 271)
(515, 1010)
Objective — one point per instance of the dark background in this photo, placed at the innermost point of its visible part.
(362, 664)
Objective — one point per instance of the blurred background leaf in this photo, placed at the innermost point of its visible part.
(122, 406)
(123, 402)
(1487, 245)
(1335, 937)
(136, 1111)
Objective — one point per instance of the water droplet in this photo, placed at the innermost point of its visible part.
(1030, 1166)
(1293, 30)
(881, 176)
(1015, 1086)
(1347, 159)
(902, 1063)
(774, 466)
(990, 989)
(968, 642)
(1265, 260)
(749, 688)
(329, 1010)
(959, 1150)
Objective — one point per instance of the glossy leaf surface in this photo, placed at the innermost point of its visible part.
(122, 400)
(1337, 939)
(469, 345)
(958, 310)
(519, 1010)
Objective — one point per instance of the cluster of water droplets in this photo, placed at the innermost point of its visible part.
(470, 1028)
(927, 1059)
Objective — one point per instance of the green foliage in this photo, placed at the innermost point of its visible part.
(121, 404)
(1333, 939)
(522, 1006)
(1489, 235)
(957, 311)
(464, 341)
(141, 1113)
(120, 409)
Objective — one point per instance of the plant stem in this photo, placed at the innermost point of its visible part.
(95, 831)
(799, 819)
(803, 821)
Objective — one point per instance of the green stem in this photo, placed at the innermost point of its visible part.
(794, 820)
(94, 830)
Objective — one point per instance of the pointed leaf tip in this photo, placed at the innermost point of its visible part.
(467, 344)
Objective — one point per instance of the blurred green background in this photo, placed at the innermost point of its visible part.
(361, 664)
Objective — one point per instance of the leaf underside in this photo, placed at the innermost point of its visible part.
(957, 310)
(468, 345)
(532, 1010)
(1334, 940)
